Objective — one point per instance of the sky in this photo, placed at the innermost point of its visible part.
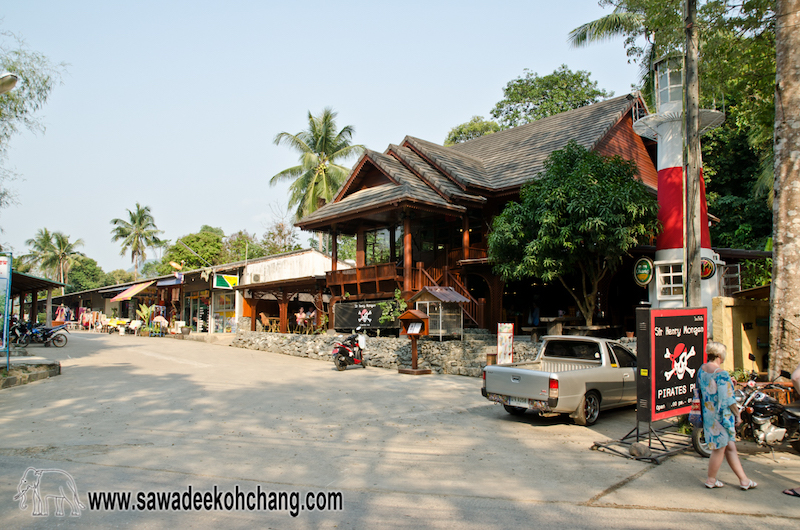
(175, 104)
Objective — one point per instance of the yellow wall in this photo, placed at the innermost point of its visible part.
(742, 326)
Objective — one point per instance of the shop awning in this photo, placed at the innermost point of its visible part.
(132, 291)
(170, 281)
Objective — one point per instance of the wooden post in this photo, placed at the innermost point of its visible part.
(34, 307)
(691, 160)
(407, 263)
(283, 304)
(48, 317)
(392, 245)
(361, 248)
(465, 237)
(334, 250)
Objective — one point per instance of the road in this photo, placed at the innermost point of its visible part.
(135, 414)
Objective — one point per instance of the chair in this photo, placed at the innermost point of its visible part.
(134, 326)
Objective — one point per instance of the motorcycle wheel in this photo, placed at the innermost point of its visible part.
(796, 445)
(699, 442)
(340, 363)
(24, 340)
(59, 340)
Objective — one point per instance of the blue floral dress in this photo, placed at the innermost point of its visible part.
(719, 423)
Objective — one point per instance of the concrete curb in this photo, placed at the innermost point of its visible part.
(51, 369)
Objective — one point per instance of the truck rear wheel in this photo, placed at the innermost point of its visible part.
(588, 409)
(515, 411)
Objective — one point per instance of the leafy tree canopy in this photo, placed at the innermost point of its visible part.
(474, 128)
(280, 237)
(118, 276)
(86, 274)
(530, 97)
(37, 76)
(240, 246)
(207, 245)
(574, 223)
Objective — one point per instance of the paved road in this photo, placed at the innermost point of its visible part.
(140, 414)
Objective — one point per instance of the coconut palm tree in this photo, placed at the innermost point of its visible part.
(40, 252)
(65, 255)
(319, 174)
(137, 233)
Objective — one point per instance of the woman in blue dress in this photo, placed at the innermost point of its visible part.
(720, 417)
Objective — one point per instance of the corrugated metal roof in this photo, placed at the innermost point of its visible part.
(443, 294)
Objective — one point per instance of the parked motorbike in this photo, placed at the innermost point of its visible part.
(47, 336)
(350, 351)
(765, 421)
(17, 330)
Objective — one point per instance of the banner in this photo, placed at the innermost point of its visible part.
(5, 299)
(672, 347)
(349, 315)
(505, 343)
(225, 281)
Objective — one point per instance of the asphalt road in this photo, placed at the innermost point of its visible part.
(132, 414)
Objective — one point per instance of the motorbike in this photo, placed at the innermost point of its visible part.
(47, 336)
(765, 420)
(16, 331)
(350, 351)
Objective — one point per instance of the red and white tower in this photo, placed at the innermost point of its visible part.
(666, 127)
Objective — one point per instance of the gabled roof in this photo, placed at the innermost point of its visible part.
(515, 156)
(426, 175)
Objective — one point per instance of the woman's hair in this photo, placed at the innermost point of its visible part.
(716, 350)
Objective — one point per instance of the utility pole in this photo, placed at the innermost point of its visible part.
(691, 162)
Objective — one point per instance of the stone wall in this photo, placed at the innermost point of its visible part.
(457, 357)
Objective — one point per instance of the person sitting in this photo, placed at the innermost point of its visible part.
(300, 317)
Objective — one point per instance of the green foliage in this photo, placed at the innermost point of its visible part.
(37, 76)
(530, 97)
(319, 174)
(118, 276)
(213, 230)
(150, 269)
(579, 217)
(474, 128)
(240, 246)
(137, 234)
(392, 309)
(86, 274)
(346, 248)
(53, 254)
(207, 244)
(755, 272)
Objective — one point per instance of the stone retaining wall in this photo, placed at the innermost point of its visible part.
(458, 357)
(37, 372)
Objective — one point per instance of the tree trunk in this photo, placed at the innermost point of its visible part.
(785, 304)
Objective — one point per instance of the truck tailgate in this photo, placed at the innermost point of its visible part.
(517, 382)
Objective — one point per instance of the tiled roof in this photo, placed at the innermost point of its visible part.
(497, 162)
(514, 156)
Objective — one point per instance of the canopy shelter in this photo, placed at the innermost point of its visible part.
(132, 291)
(23, 284)
(283, 291)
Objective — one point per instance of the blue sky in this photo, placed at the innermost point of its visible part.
(175, 104)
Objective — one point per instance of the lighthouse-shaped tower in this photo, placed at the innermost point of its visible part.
(666, 126)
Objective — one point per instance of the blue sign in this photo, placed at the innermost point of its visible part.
(5, 300)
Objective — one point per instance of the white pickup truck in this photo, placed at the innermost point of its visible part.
(579, 376)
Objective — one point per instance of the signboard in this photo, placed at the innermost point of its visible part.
(225, 281)
(5, 300)
(672, 347)
(350, 315)
(643, 271)
(707, 268)
(505, 343)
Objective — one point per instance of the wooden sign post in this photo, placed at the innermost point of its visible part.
(414, 323)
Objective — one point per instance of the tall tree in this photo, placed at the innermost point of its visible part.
(137, 233)
(319, 174)
(474, 128)
(86, 274)
(65, 255)
(530, 97)
(40, 253)
(206, 244)
(785, 304)
(579, 217)
(37, 78)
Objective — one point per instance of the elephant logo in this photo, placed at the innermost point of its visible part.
(46, 484)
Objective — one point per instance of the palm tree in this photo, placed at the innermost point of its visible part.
(65, 255)
(622, 22)
(138, 233)
(40, 252)
(318, 176)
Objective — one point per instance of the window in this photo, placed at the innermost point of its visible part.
(378, 249)
(624, 357)
(670, 282)
(670, 81)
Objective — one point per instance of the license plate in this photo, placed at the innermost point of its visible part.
(518, 402)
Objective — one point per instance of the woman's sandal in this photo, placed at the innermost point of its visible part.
(792, 492)
(749, 486)
(716, 484)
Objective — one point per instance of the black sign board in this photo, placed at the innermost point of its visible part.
(350, 315)
(672, 347)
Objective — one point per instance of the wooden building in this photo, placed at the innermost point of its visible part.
(421, 211)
